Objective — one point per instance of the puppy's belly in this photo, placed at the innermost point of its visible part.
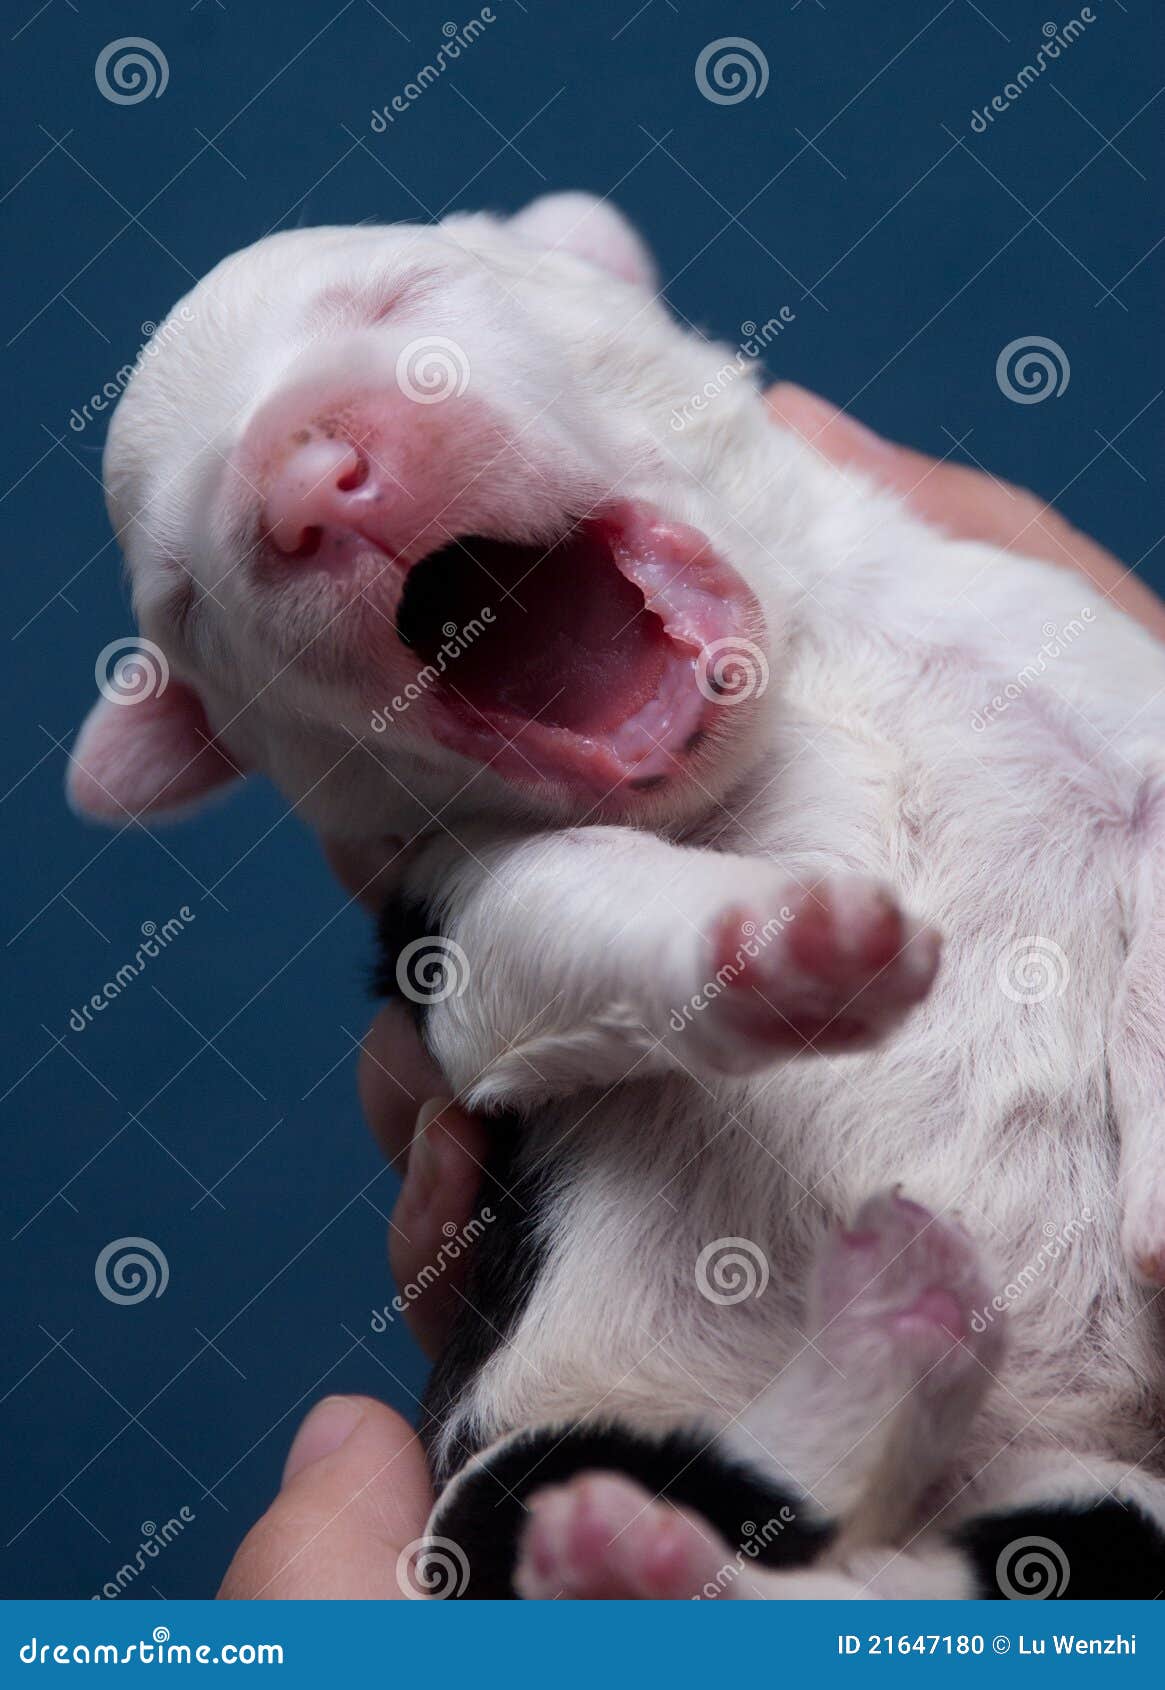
(669, 1286)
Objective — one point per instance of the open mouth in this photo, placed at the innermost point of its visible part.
(586, 660)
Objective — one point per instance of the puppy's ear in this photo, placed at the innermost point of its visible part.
(148, 755)
(590, 228)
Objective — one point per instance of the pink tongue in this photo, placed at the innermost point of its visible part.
(570, 643)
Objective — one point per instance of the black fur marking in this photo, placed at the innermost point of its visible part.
(402, 921)
(1111, 1552)
(486, 1511)
(504, 1265)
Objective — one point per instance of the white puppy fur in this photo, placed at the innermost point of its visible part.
(1031, 835)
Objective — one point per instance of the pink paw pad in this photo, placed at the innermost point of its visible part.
(602, 1537)
(834, 968)
(897, 1292)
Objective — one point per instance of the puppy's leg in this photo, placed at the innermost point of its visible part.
(868, 1417)
(813, 1492)
(875, 1408)
(604, 1536)
(1060, 1525)
(590, 1507)
(582, 957)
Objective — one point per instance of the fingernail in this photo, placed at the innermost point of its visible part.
(330, 1423)
(424, 1165)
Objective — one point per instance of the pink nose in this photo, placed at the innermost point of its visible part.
(316, 488)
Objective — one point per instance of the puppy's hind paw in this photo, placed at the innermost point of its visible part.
(895, 1298)
(601, 1537)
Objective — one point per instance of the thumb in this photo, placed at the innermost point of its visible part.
(355, 1495)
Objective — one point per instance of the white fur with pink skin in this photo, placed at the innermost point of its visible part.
(884, 640)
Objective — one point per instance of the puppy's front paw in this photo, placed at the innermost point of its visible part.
(893, 1300)
(834, 968)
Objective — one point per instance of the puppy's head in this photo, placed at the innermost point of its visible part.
(406, 509)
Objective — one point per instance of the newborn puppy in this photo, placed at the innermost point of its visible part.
(685, 746)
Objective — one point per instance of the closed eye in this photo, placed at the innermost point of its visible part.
(344, 306)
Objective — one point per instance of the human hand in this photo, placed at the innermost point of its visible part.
(967, 503)
(355, 1493)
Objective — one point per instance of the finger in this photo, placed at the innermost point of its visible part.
(965, 502)
(365, 870)
(355, 1495)
(395, 1077)
(442, 1173)
(441, 1192)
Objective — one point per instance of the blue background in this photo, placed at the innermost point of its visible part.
(212, 1108)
